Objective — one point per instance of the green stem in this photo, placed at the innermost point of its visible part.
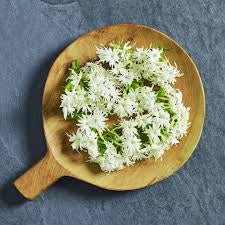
(162, 98)
(116, 143)
(100, 135)
(116, 128)
(112, 132)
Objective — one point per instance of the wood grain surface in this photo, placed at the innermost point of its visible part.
(62, 161)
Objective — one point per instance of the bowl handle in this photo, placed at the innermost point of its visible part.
(39, 177)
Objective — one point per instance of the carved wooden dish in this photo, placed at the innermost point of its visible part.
(61, 161)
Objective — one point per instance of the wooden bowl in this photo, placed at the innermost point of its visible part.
(60, 160)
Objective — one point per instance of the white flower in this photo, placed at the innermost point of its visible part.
(143, 120)
(95, 120)
(126, 77)
(139, 155)
(90, 143)
(141, 55)
(116, 70)
(131, 144)
(108, 55)
(154, 150)
(118, 85)
(99, 120)
(85, 122)
(154, 55)
(153, 133)
(146, 99)
(77, 140)
(111, 160)
(75, 78)
(125, 106)
(66, 104)
(161, 117)
(128, 127)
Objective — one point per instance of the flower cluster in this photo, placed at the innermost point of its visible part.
(133, 86)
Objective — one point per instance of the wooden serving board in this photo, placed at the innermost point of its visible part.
(61, 161)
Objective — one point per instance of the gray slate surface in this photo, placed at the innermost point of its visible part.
(32, 34)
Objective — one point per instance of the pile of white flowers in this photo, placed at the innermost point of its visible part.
(135, 86)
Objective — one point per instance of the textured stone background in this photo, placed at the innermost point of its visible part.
(32, 34)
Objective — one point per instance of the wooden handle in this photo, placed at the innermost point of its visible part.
(39, 177)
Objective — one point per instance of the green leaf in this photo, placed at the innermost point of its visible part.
(161, 96)
(84, 83)
(119, 149)
(169, 110)
(162, 58)
(77, 115)
(101, 146)
(164, 49)
(164, 132)
(69, 86)
(135, 84)
(143, 136)
(161, 92)
(74, 65)
(116, 46)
